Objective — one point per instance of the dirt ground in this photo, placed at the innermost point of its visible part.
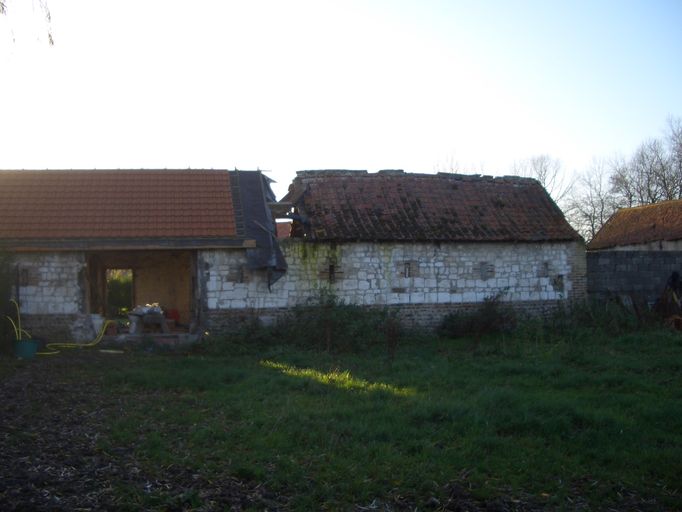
(52, 416)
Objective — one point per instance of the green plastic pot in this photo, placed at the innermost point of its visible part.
(25, 349)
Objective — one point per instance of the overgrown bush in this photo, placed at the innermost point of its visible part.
(492, 317)
(584, 319)
(568, 322)
(325, 322)
(119, 293)
(330, 324)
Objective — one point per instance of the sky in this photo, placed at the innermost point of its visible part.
(420, 85)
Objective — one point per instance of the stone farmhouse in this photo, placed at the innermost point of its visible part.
(203, 244)
(427, 244)
(636, 251)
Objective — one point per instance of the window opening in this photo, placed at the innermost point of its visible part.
(486, 270)
(119, 292)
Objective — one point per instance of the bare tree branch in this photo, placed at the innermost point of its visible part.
(591, 203)
(653, 173)
(44, 15)
(548, 172)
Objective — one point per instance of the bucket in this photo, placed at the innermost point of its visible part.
(97, 323)
(25, 349)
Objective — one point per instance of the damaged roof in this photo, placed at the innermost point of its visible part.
(398, 206)
(640, 225)
(101, 208)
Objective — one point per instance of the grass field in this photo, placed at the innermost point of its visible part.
(595, 423)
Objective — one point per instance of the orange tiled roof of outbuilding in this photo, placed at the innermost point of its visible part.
(640, 225)
(106, 204)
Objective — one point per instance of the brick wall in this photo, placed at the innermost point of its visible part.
(641, 274)
(411, 316)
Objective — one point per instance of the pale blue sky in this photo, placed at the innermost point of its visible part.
(419, 85)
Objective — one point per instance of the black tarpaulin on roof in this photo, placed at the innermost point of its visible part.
(254, 193)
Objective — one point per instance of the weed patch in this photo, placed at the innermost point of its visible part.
(493, 316)
(324, 323)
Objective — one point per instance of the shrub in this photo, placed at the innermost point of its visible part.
(119, 293)
(584, 320)
(325, 322)
(609, 317)
(329, 323)
(492, 317)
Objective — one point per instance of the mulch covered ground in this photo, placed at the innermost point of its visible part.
(52, 416)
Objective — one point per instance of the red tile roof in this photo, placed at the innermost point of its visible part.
(395, 206)
(640, 225)
(283, 229)
(113, 204)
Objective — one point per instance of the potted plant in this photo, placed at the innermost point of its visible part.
(24, 346)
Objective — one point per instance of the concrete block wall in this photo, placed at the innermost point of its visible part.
(640, 274)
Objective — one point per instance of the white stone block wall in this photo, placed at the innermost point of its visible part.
(398, 273)
(49, 283)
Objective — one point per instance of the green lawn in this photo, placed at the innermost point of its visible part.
(597, 422)
(591, 424)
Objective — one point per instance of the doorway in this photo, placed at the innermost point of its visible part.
(121, 280)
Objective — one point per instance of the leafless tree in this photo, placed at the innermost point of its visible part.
(591, 203)
(675, 147)
(37, 5)
(548, 172)
(653, 173)
(449, 165)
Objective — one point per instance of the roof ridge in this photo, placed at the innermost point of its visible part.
(387, 173)
(190, 170)
(650, 205)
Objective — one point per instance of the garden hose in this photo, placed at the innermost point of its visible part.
(55, 348)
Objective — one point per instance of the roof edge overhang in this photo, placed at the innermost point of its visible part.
(626, 243)
(117, 244)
